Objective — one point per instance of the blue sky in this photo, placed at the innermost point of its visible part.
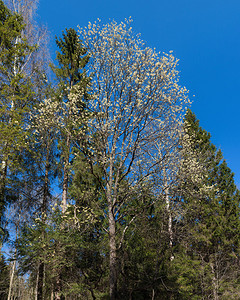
(204, 36)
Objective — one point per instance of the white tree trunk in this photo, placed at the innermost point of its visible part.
(11, 280)
(214, 283)
(170, 232)
(65, 175)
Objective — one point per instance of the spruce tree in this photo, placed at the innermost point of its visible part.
(208, 226)
(65, 111)
(56, 121)
(72, 80)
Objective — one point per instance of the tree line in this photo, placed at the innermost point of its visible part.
(109, 187)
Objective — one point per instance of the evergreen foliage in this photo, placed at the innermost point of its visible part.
(210, 211)
(4, 278)
(106, 193)
(16, 99)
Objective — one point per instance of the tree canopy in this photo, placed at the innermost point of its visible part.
(109, 187)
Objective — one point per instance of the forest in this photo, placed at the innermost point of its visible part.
(109, 186)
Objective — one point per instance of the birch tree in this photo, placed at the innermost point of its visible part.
(21, 76)
(35, 34)
(137, 102)
(14, 92)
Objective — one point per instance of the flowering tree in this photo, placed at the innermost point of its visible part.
(137, 104)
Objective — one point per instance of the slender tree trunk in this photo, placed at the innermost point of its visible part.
(113, 254)
(214, 283)
(112, 234)
(2, 186)
(40, 281)
(65, 175)
(3, 177)
(66, 151)
(13, 266)
(46, 183)
(58, 289)
(12, 278)
(153, 294)
(52, 294)
(170, 232)
(36, 287)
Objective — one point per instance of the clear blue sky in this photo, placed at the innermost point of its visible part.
(203, 34)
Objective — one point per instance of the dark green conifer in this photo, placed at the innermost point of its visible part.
(72, 59)
(209, 224)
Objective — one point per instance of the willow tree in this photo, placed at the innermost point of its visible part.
(137, 103)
